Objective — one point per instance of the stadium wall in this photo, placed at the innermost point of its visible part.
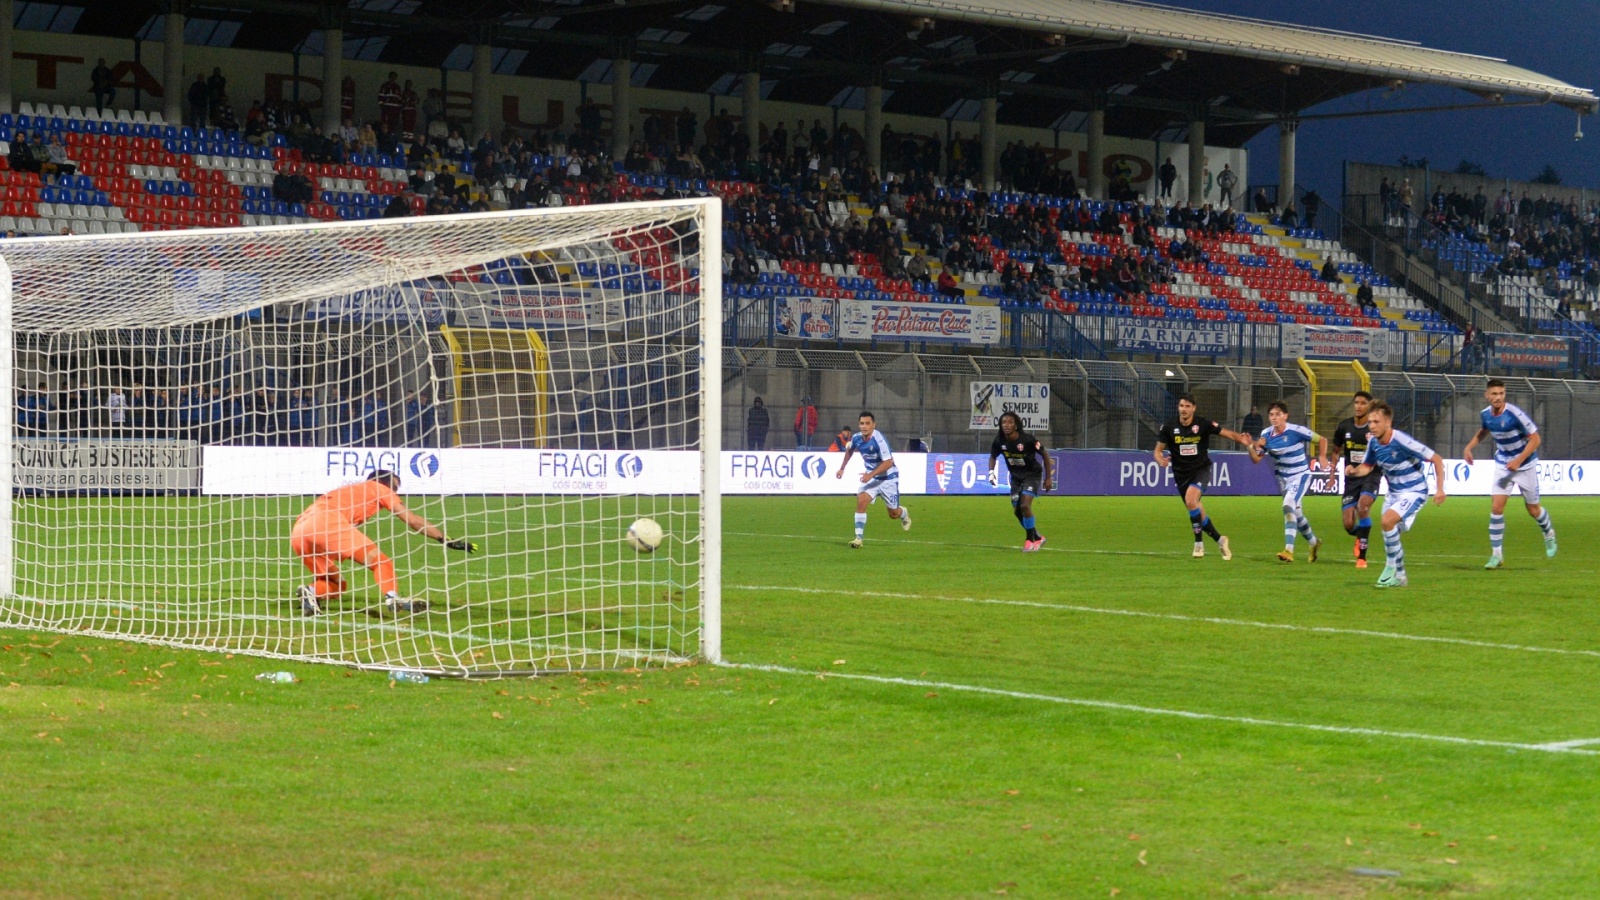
(55, 68)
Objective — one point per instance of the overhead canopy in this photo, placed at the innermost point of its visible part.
(1152, 68)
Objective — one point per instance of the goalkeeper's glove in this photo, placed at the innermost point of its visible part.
(994, 477)
(462, 544)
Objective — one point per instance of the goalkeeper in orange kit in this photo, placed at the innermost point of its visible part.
(327, 533)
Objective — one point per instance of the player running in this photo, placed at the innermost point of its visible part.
(1401, 458)
(1190, 439)
(1022, 452)
(327, 533)
(882, 478)
(1287, 444)
(1350, 442)
(1516, 449)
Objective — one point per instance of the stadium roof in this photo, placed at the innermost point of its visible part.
(1152, 68)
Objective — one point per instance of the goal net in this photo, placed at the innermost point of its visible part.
(537, 380)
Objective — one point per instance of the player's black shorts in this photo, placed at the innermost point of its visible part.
(1355, 487)
(1030, 483)
(1200, 478)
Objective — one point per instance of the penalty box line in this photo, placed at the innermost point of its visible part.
(1568, 747)
(1175, 617)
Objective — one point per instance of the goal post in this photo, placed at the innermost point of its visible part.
(1331, 384)
(536, 380)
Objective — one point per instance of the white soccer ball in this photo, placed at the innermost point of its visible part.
(644, 535)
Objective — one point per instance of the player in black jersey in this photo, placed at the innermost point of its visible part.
(1023, 453)
(1350, 441)
(1189, 438)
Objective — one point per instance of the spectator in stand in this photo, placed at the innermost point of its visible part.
(349, 134)
(216, 93)
(756, 425)
(433, 118)
(1330, 271)
(805, 424)
(1168, 176)
(1252, 423)
(408, 110)
(1261, 203)
(20, 157)
(1365, 299)
(1289, 218)
(397, 207)
(1227, 180)
(103, 84)
(948, 287)
(389, 105)
(1311, 203)
(199, 102)
(56, 161)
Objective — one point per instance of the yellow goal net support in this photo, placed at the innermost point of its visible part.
(1332, 383)
(502, 386)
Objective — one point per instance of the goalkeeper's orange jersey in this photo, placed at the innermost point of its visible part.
(355, 503)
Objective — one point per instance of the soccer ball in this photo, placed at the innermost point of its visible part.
(644, 535)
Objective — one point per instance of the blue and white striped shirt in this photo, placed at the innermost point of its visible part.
(874, 450)
(1510, 430)
(1290, 449)
(1402, 461)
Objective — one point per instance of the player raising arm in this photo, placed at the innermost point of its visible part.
(1023, 453)
(882, 478)
(1516, 445)
(1401, 458)
(327, 533)
(1190, 439)
(1288, 445)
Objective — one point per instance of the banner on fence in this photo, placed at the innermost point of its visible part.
(1331, 342)
(413, 303)
(1029, 400)
(1529, 351)
(1103, 473)
(47, 464)
(807, 318)
(1162, 336)
(484, 306)
(864, 320)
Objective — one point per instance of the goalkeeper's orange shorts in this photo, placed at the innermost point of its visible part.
(323, 540)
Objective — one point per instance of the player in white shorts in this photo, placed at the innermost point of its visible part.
(1516, 454)
(882, 478)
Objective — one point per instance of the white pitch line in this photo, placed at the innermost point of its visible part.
(1159, 711)
(1175, 617)
(1161, 554)
(1568, 745)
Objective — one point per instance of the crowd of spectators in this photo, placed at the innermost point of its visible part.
(228, 414)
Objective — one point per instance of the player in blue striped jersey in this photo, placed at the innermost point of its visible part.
(1289, 446)
(1401, 457)
(1516, 449)
(882, 478)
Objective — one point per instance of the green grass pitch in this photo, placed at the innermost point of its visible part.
(942, 716)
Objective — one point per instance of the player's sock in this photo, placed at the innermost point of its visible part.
(1396, 553)
(1028, 524)
(1210, 529)
(1021, 519)
(1194, 524)
(1497, 532)
(1363, 535)
(1544, 523)
(1304, 525)
(383, 570)
(1288, 533)
(861, 525)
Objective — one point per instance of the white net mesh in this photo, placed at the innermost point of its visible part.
(534, 379)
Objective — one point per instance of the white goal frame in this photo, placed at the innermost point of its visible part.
(707, 212)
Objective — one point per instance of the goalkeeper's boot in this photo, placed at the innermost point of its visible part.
(399, 604)
(1222, 544)
(905, 519)
(1550, 546)
(1285, 556)
(308, 601)
(1495, 561)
